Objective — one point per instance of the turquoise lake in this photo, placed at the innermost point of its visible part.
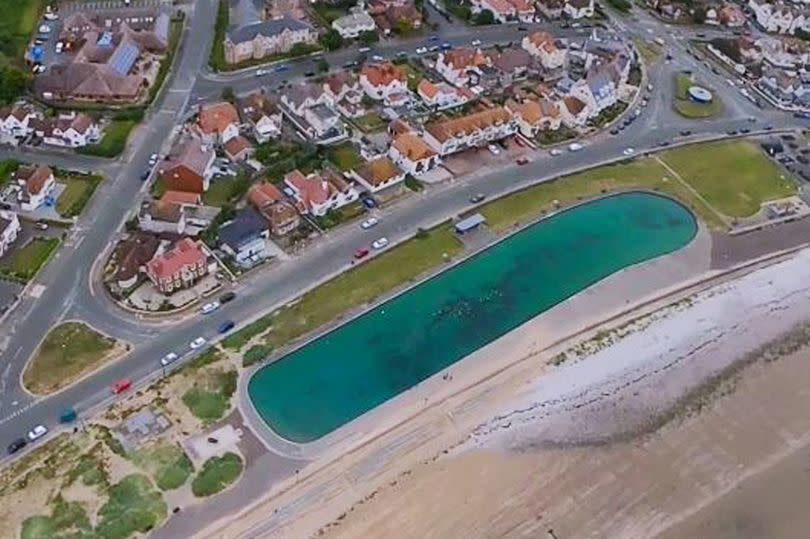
(338, 377)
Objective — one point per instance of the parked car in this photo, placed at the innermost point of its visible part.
(262, 72)
(522, 161)
(479, 197)
(575, 147)
(199, 342)
(168, 359)
(555, 152)
(369, 202)
(421, 50)
(41, 225)
(226, 326)
(380, 243)
(446, 46)
(37, 432)
(629, 151)
(227, 296)
(368, 223)
(493, 149)
(208, 308)
(475, 42)
(685, 132)
(16, 445)
(153, 159)
(361, 253)
(145, 174)
(121, 385)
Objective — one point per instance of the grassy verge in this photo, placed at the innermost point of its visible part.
(65, 520)
(217, 60)
(217, 473)
(210, 396)
(650, 52)
(342, 215)
(23, 264)
(77, 193)
(688, 108)
(352, 289)
(69, 351)
(166, 463)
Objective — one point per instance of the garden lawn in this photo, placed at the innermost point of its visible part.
(166, 463)
(77, 193)
(24, 263)
(69, 351)
(113, 141)
(734, 177)
(216, 474)
(345, 156)
(352, 289)
(225, 190)
(6, 168)
(370, 122)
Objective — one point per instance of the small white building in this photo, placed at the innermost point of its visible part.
(9, 229)
(36, 185)
(355, 23)
(16, 121)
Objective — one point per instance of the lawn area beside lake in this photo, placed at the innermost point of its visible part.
(77, 193)
(22, 264)
(68, 352)
(210, 396)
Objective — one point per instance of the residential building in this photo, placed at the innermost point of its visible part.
(180, 267)
(16, 120)
(245, 238)
(779, 17)
(400, 15)
(324, 123)
(239, 149)
(781, 85)
(381, 80)
(507, 10)
(258, 113)
(550, 50)
(131, 256)
(441, 95)
(189, 167)
(9, 229)
(217, 123)
(550, 9)
(379, 174)
(282, 216)
(317, 194)
(732, 16)
(36, 185)
(512, 65)
(455, 66)
(534, 116)
(340, 85)
(476, 129)
(355, 23)
(578, 9)
(412, 154)
(162, 217)
(67, 130)
(300, 97)
(266, 38)
(575, 112)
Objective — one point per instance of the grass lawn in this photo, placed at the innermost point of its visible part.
(691, 109)
(158, 187)
(69, 351)
(114, 140)
(6, 168)
(734, 177)
(650, 52)
(342, 215)
(65, 520)
(225, 190)
(216, 474)
(133, 506)
(23, 264)
(370, 122)
(415, 76)
(352, 289)
(329, 12)
(345, 156)
(166, 463)
(210, 396)
(76, 195)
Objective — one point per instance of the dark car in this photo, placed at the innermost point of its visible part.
(745, 130)
(731, 132)
(16, 445)
(309, 74)
(663, 143)
(614, 131)
(475, 199)
(788, 137)
(226, 326)
(226, 297)
(145, 175)
(802, 159)
(686, 132)
(369, 202)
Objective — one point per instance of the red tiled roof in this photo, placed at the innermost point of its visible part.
(185, 253)
(34, 178)
(264, 194)
(215, 118)
(181, 197)
(237, 145)
(383, 74)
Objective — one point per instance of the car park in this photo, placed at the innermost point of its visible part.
(16, 445)
(168, 359)
(227, 296)
(369, 223)
(478, 197)
(380, 243)
(199, 342)
(37, 432)
(226, 326)
(208, 308)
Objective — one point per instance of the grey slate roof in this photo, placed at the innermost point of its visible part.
(265, 28)
(245, 227)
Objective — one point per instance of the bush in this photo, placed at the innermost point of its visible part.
(216, 474)
(368, 37)
(621, 5)
(332, 40)
(484, 17)
(255, 354)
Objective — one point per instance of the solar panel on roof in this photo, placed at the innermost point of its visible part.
(124, 58)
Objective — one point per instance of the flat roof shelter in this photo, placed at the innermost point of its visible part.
(470, 223)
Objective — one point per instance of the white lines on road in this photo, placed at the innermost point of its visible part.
(17, 412)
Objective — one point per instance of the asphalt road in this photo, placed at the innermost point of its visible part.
(67, 289)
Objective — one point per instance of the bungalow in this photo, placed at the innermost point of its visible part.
(578, 9)
(535, 116)
(9, 229)
(268, 200)
(355, 23)
(441, 96)
(37, 184)
(317, 194)
(67, 130)
(381, 80)
(265, 38)
(189, 167)
(412, 154)
(455, 66)
(547, 48)
(575, 112)
(245, 237)
(258, 112)
(217, 123)
(476, 129)
(178, 268)
(239, 149)
(15, 121)
(131, 256)
(379, 174)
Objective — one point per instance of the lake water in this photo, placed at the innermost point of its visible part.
(338, 377)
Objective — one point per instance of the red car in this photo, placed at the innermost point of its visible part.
(519, 142)
(121, 385)
(361, 253)
(522, 160)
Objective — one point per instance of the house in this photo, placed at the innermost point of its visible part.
(282, 216)
(512, 65)
(732, 16)
(9, 229)
(131, 256)
(67, 130)
(476, 129)
(534, 116)
(245, 237)
(379, 174)
(239, 149)
(550, 50)
(178, 268)
(217, 123)
(324, 123)
(188, 168)
(399, 15)
(507, 10)
(578, 9)
(37, 184)
(441, 96)
(319, 193)
(342, 84)
(778, 17)
(16, 120)
(455, 66)
(780, 84)
(384, 79)
(412, 154)
(162, 217)
(550, 9)
(355, 23)
(305, 95)
(575, 112)
(265, 38)
(258, 112)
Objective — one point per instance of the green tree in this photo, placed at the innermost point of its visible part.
(332, 40)
(300, 49)
(699, 15)
(483, 17)
(13, 84)
(368, 37)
